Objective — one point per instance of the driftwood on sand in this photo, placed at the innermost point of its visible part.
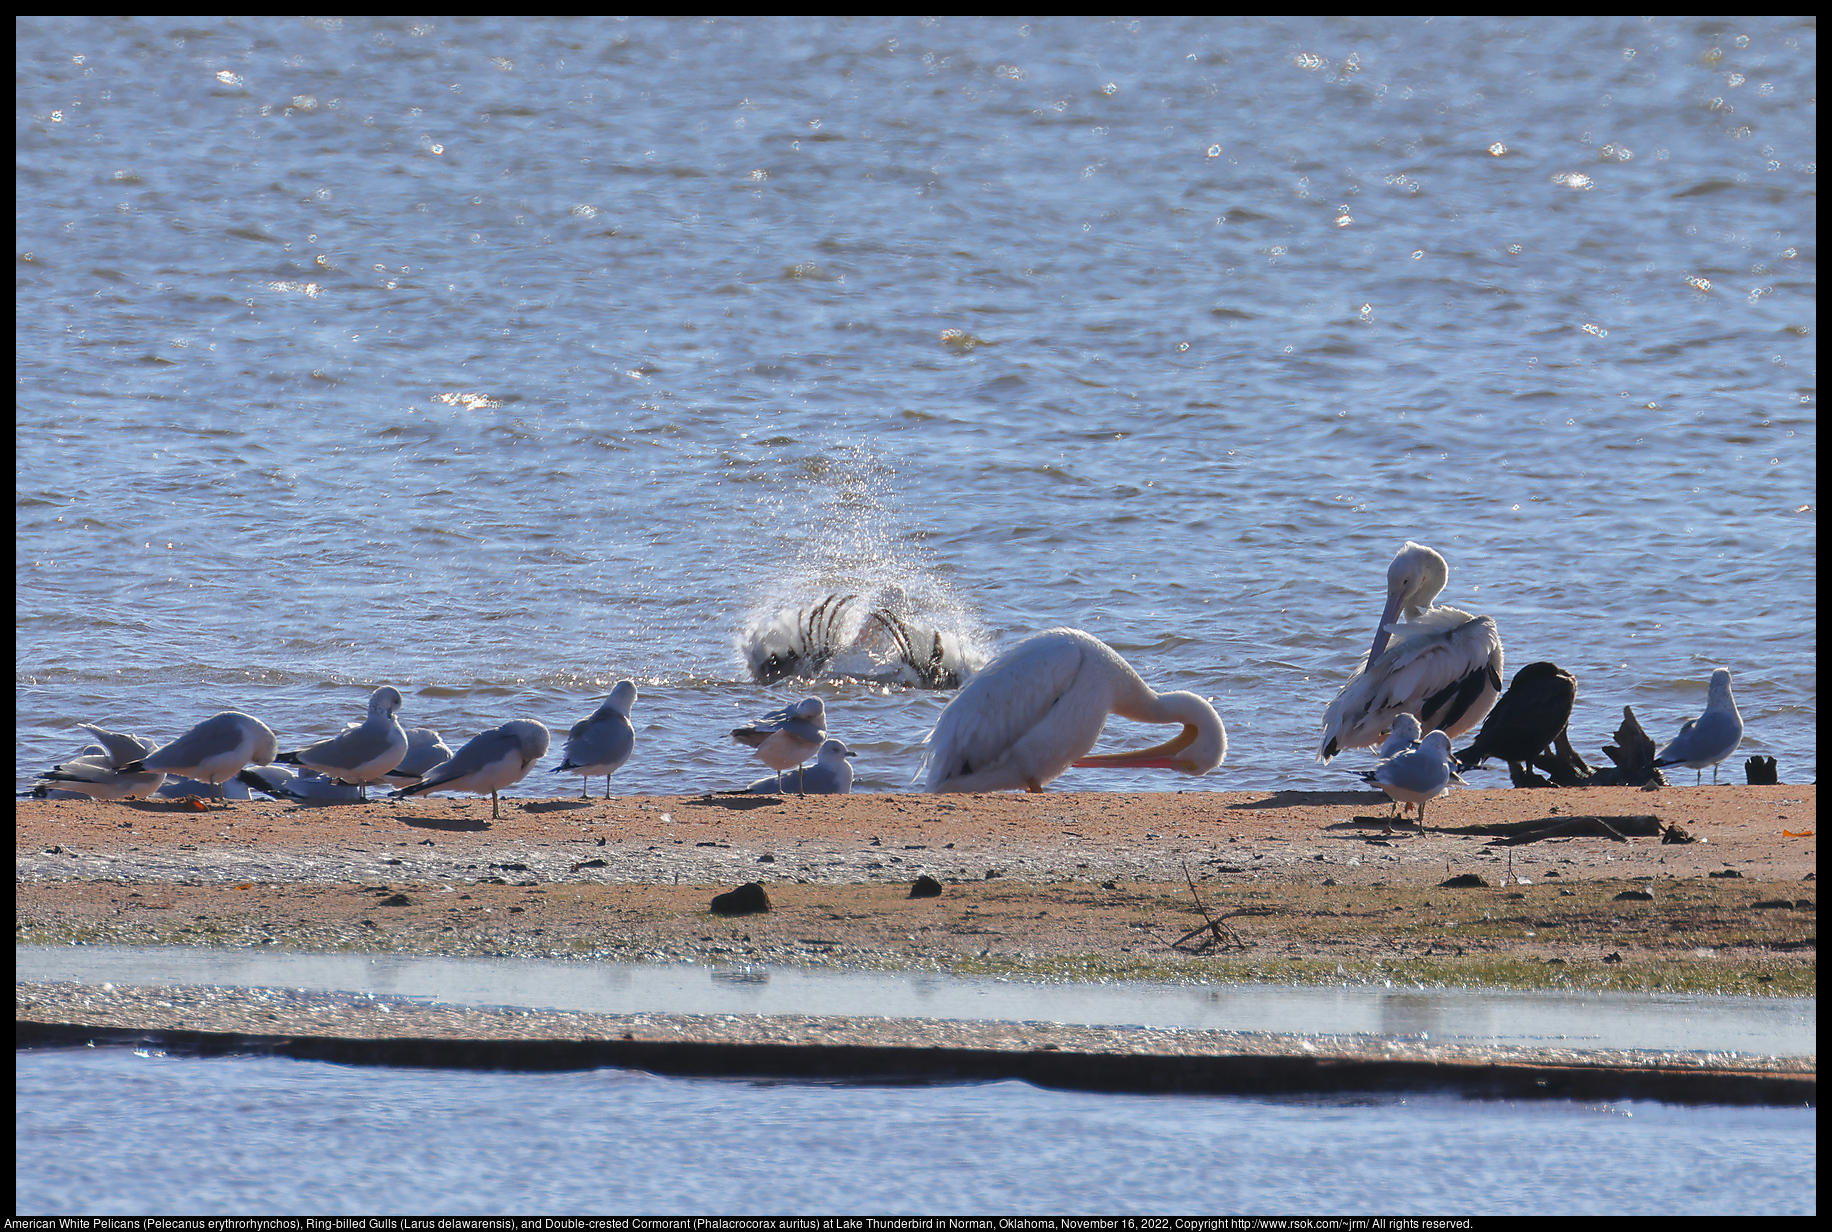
(1633, 753)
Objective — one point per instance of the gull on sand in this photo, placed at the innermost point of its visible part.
(214, 751)
(830, 775)
(601, 743)
(1710, 738)
(1420, 776)
(490, 762)
(363, 753)
(786, 737)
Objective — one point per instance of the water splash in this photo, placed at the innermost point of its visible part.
(859, 598)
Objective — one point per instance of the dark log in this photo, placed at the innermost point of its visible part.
(1633, 754)
(1619, 828)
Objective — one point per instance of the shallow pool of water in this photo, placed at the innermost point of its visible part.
(1769, 1026)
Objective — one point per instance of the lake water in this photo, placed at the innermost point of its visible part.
(114, 1130)
(498, 359)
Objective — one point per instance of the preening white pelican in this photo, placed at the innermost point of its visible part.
(1038, 708)
(1443, 666)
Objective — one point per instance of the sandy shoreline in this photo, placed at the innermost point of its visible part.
(1073, 886)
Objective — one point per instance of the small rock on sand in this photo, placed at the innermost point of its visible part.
(747, 899)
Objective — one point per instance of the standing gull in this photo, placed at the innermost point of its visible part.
(830, 775)
(1443, 666)
(602, 743)
(1710, 738)
(1038, 709)
(214, 751)
(1403, 737)
(490, 762)
(1420, 776)
(362, 754)
(786, 737)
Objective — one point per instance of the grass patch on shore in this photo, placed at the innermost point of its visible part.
(1768, 976)
(1757, 974)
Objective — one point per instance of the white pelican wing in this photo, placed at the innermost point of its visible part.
(1444, 667)
(1001, 705)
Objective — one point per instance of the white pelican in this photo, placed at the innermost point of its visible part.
(1444, 665)
(214, 751)
(363, 753)
(840, 635)
(1038, 708)
(1710, 738)
(602, 743)
(489, 762)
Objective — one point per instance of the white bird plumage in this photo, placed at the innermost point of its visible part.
(424, 751)
(830, 775)
(214, 751)
(1039, 707)
(489, 762)
(95, 771)
(1443, 665)
(1401, 737)
(1710, 738)
(1420, 775)
(786, 737)
(361, 753)
(602, 743)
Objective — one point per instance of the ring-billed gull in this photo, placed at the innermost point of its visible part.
(1710, 738)
(96, 771)
(362, 754)
(830, 775)
(489, 762)
(1420, 776)
(424, 751)
(214, 751)
(786, 737)
(307, 785)
(1039, 707)
(1402, 736)
(1443, 665)
(602, 743)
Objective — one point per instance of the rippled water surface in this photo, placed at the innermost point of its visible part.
(110, 1130)
(499, 359)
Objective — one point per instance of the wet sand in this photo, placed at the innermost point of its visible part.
(1303, 887)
